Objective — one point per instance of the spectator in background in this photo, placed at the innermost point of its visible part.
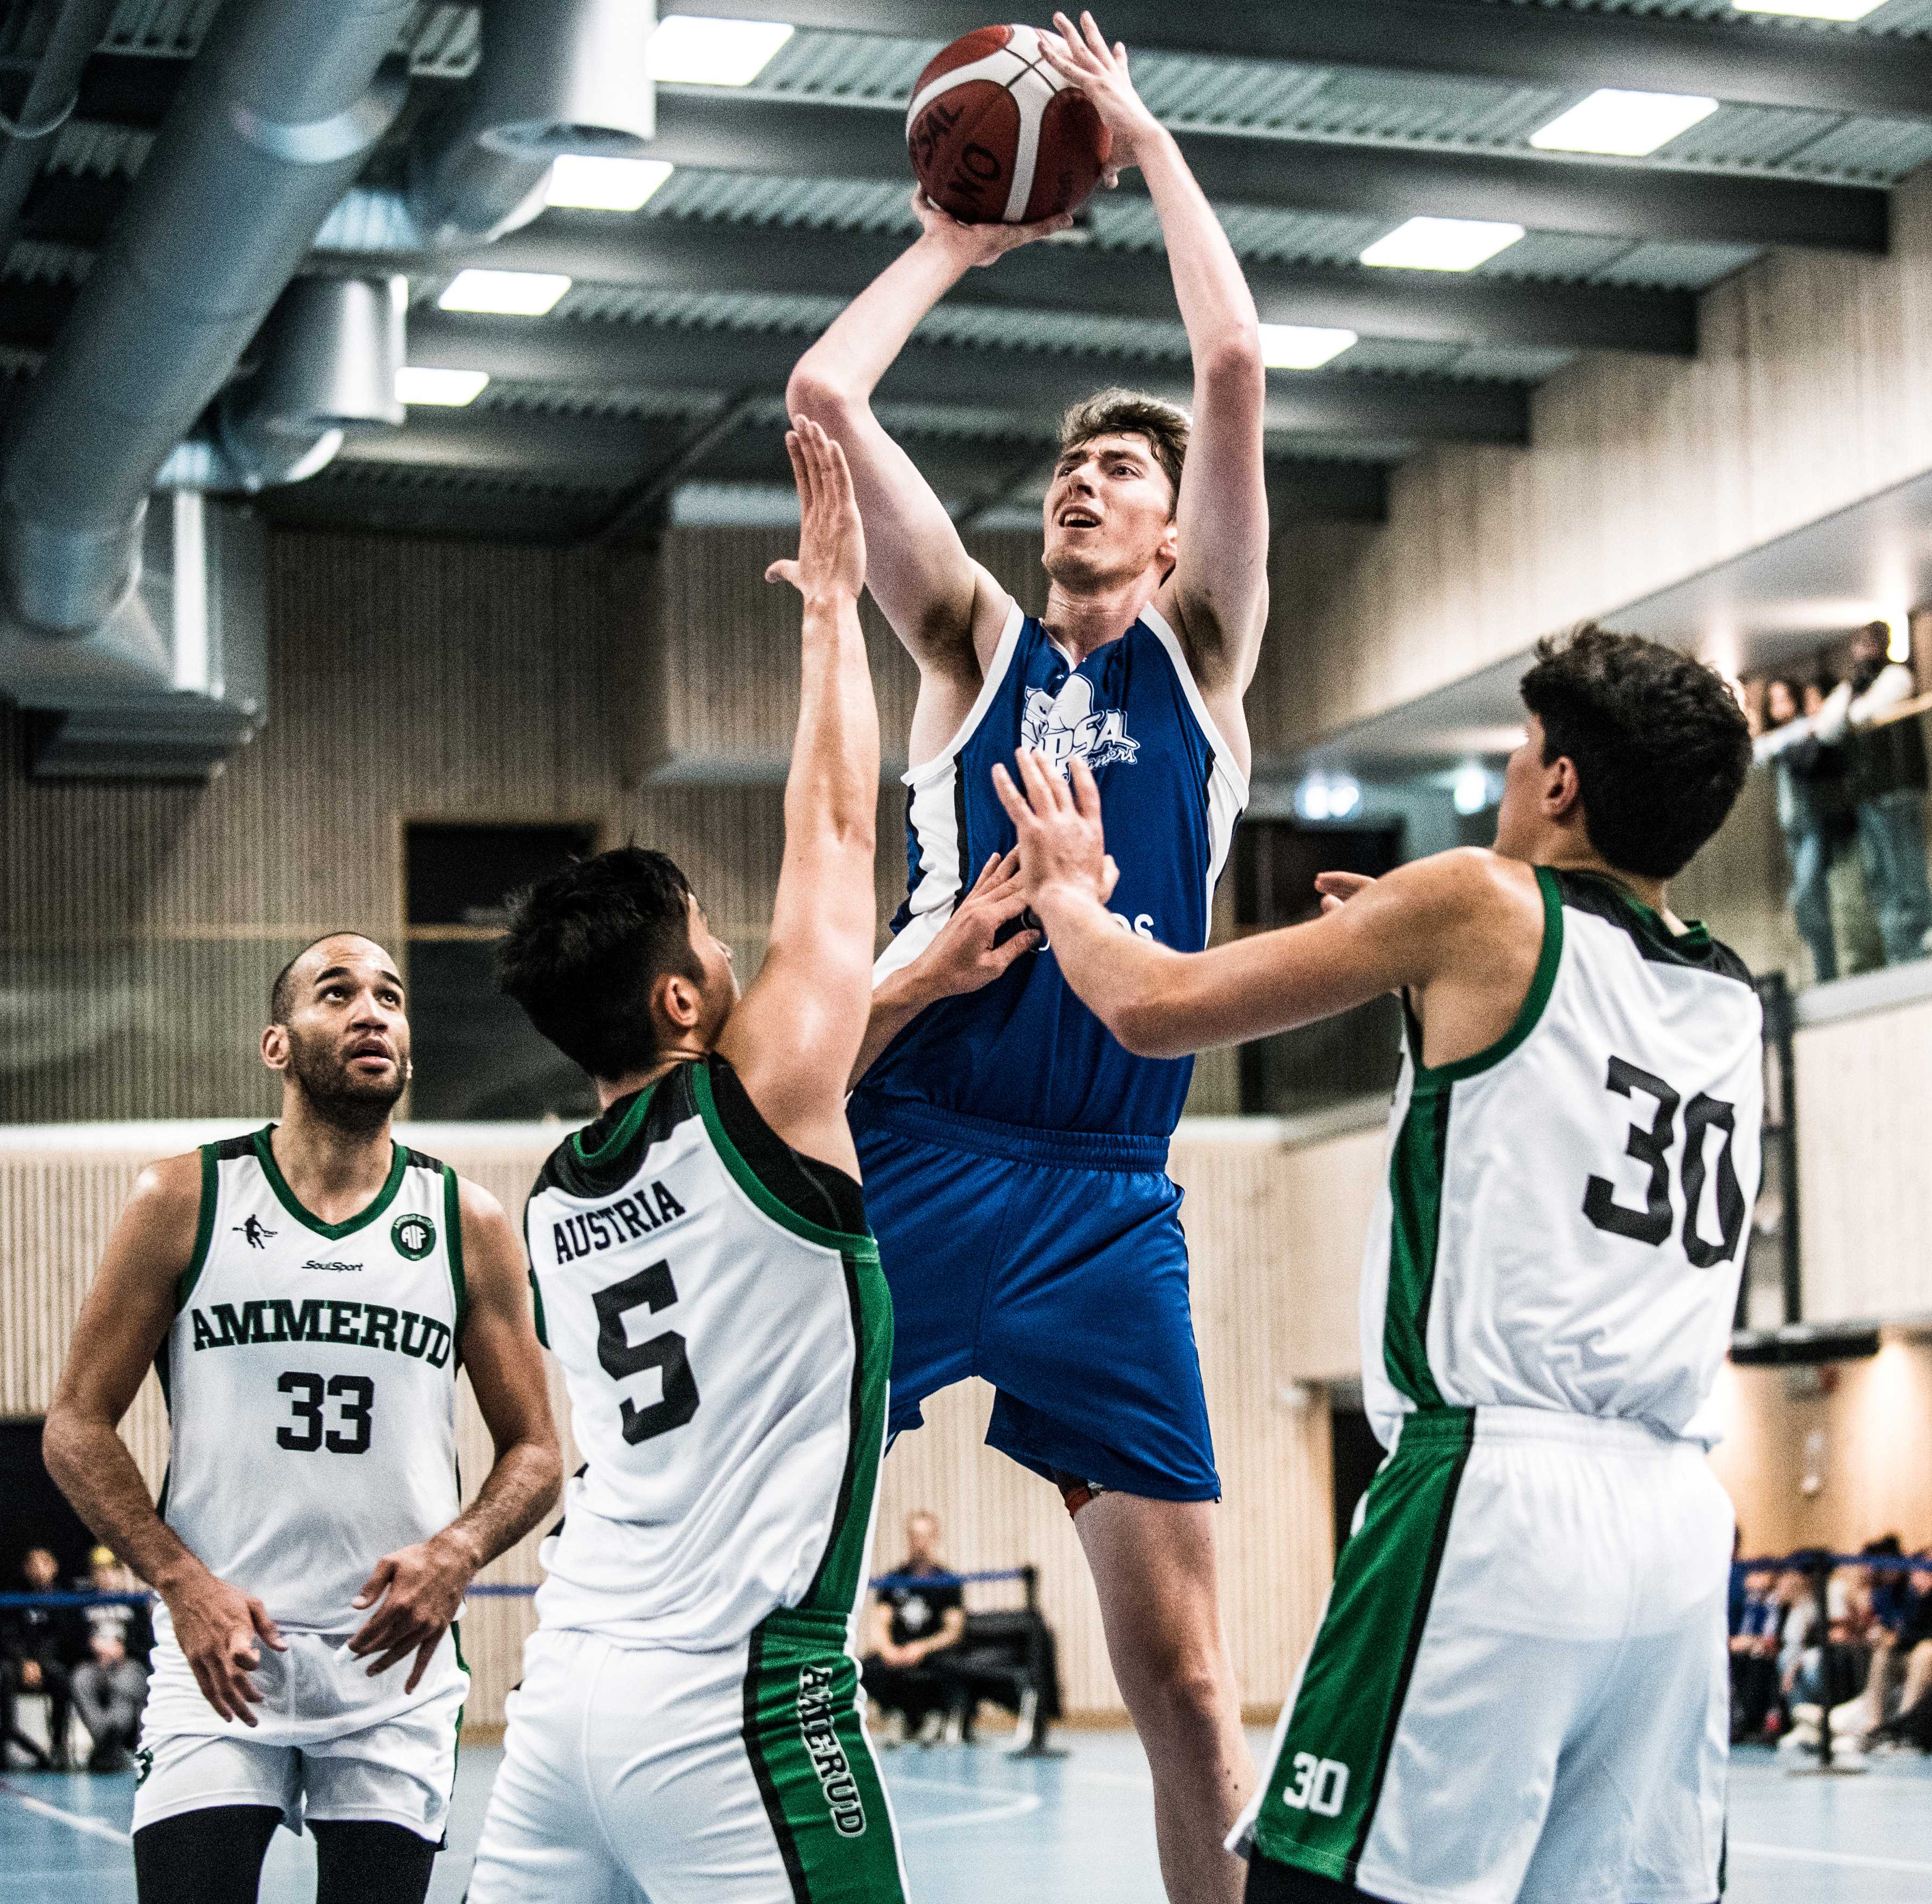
(110, 1685)
(912, 1621)
(1887, 773)
(1755, 1619)
(37, 1644)
(1809, 774)
(1912, 1724)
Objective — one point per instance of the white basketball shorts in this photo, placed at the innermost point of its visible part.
(738, 1777)
(1520, 1691)
(329, 1742)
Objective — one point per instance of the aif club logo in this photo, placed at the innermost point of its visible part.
(414, 1236)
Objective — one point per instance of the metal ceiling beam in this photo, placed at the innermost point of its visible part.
(722, 130)
(1752, 61)
(1421, 307)
(1032, 385)
(610, 459)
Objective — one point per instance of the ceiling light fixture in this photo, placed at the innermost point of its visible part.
(686, 51)
(1302, 346)
(1840, 10)
(1442, 245)
(505, 293)
(418, 383)
(605, 185)
(1628, 125)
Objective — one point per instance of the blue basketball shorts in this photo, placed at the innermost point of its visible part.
(1053, 1265)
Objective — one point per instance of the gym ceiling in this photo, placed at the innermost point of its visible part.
(652, 391)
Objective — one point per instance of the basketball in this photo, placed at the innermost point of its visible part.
(997, 137)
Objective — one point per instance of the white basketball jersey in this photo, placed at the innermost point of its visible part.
(1564, 1217)
(310, 1378)
(726, 1335)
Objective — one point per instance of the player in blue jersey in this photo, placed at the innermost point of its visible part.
(1013, 1152)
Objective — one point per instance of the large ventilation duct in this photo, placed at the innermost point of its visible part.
(556, 76)
(328, 357)
(274, 122)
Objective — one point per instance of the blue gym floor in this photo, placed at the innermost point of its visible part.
(1080, 1829)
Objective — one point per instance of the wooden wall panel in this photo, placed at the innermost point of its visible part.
(58, 1197)
(1812, 390)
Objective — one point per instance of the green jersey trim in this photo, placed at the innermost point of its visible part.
(204, 1231)
(1529, 1013)
(628, 1127)
(265, 1152)
(846, 1242)
(1416, 1169)
(452, 1224)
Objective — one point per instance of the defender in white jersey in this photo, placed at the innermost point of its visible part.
(307, 1294)
(1519, 1689)
(689, 1726)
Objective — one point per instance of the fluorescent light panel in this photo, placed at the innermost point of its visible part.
(508, 293)
(684, 50)
(418, 383)
(1810, 9)
(1442, 245)
(1628, 124)
(605, 185)
(1301, 346)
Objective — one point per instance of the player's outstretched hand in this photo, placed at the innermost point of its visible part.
(965, 956)
(420, 1588)
(1081, 57)
(981, 244)
(831, 539)
(1337, 888)
(216, 1626)
(1061, 840)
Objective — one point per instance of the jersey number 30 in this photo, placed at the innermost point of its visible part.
(650, 1288)
(1651, 1144)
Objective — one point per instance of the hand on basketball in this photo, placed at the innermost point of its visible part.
(420, 1588)
(982, 244)
(1082, 58)
(965, 957)
(831, 539)
(216, 1626)
(1062, 844)
(1337, 888)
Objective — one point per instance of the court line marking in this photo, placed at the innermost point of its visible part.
(1007, 1804)
(1860, 1860)
(78, 1821)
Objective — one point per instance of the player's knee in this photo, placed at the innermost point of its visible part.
(1182, 1691)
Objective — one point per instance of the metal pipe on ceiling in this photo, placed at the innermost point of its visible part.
(48, 101)
(275, 120)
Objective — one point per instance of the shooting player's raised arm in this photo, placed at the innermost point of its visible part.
(793, 1038)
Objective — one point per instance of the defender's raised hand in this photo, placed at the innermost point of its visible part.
(831, 540)
(1082, 58)
(1061, 842)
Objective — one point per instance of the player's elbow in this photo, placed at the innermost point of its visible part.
(1229, 364)
(1149, 1023)
(813, 392)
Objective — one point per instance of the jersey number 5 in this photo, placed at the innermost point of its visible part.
(1651, 1144)
(619, 1356)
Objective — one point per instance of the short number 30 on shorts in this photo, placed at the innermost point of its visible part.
(1320, 1786)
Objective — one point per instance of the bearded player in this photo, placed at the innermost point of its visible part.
(1014, 1152)
(1520, 1690)
(307, 1294)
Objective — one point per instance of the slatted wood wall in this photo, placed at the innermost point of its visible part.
(59, 1194)
(1812, 389)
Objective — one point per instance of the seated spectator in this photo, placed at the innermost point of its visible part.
(37, 1645)
(1888, 780)
(911, 1621)
(110, 1687)
(1754, 1636)
(1912, 1725)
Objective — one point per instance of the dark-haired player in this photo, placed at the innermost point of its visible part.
(1014, 1155)
(1519, 1691)
(307, 1293)
(688, 1728)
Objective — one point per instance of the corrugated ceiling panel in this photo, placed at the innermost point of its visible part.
(1879, 150)
(91, 150)
(758, 199)
(1899, 16)
(1680, 267)
(442, 36)
(1503, 363)
(1563, 256)
(595, 400)
(704, 310)
(846, 66)
(1395, 356)
(1753, 136)
(34, 261)
(1145, 340)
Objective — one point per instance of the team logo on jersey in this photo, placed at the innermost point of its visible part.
(253, 1234)
(1067, 727)
(414, 1236)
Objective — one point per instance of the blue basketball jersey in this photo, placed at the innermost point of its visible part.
(1024, 1050)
